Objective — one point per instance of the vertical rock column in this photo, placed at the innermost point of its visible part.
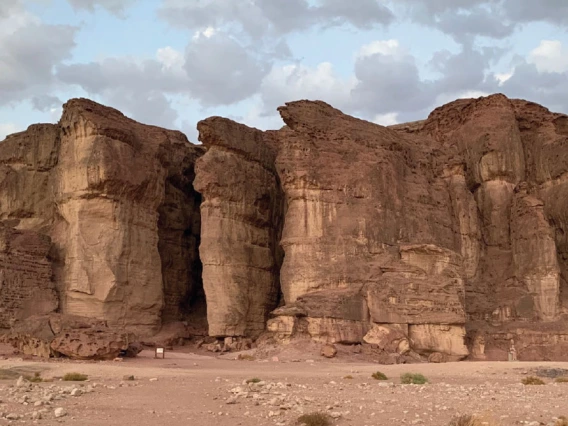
(109, 185)
(240, 227)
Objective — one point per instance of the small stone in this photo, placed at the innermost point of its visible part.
(76, 392)
(154, 379)
(60, 412)
(328, 351)
(12, 416)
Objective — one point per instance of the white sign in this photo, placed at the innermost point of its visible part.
(159, 350)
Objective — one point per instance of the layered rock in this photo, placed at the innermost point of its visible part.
(75, 337)
(26, 286)
(423, 228)
(422, 237)
(116, 198)
(241, 216)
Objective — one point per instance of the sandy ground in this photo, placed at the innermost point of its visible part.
(193, 389)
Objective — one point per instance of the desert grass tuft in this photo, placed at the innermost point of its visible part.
(532, 380)
(471, 420)
(75, 377)
(314, 419)
(377, 375)
(413, 378)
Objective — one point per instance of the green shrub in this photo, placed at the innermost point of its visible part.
(314, 419)
(531, 380)
(377, 375)
(413, 378)
(75, 377)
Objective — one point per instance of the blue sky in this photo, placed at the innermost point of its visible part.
(174, 62)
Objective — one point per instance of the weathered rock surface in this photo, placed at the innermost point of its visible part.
(26, 287)
(241, 216)
(116, 198)
(445, 237)
(67, 335)
(425, 227)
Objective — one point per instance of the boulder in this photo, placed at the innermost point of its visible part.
(328, 351)
(70, 336)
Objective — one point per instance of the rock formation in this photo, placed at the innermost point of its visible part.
(116, 198)
(26, 287)
(445, 237)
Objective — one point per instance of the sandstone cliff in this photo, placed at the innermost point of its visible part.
(116, 198)
(447, 235)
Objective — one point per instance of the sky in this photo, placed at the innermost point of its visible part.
(172, 63)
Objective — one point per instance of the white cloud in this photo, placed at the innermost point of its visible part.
(549, 56)
(382, 47)
(387, 119)
(170, 58)
(293, 82)
(503, 77)
(7, 129)
(207, 33)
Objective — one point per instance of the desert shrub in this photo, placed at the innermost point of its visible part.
(314, 419)
(471, 420)
(532, 380)
(245, 357)
(561, 421)
(75, 377)
(413, 378)
(377, 375)
(349, 377)
(561, 380)
(254, 380)
(36, 378)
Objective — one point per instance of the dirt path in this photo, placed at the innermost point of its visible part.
(193, 389)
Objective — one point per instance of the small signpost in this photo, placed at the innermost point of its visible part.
(160, 352)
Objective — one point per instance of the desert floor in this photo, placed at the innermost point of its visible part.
(198, 388)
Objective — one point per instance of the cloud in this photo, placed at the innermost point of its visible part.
(293, 82)
(467, 19)
(549, 56)
(269, 18)
(7, 129)
(388, 119)
(221, 71)
(30, 51)
(137, 87)
(116, 7)
(387, 80)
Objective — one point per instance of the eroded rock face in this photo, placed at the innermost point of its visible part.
(417, 238)
(117, 200)
(26, 287)
(71, 336)
(429, 226)
(241, 216)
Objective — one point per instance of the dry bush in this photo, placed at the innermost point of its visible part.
(561, 380)
(349, 377)
(561, 421)
(532, 380)
(245, 357)
(471, 420)
(314, 419)
(75, 377)
(377, 375)
(413, 378)
(254, 380)
(36, 378)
